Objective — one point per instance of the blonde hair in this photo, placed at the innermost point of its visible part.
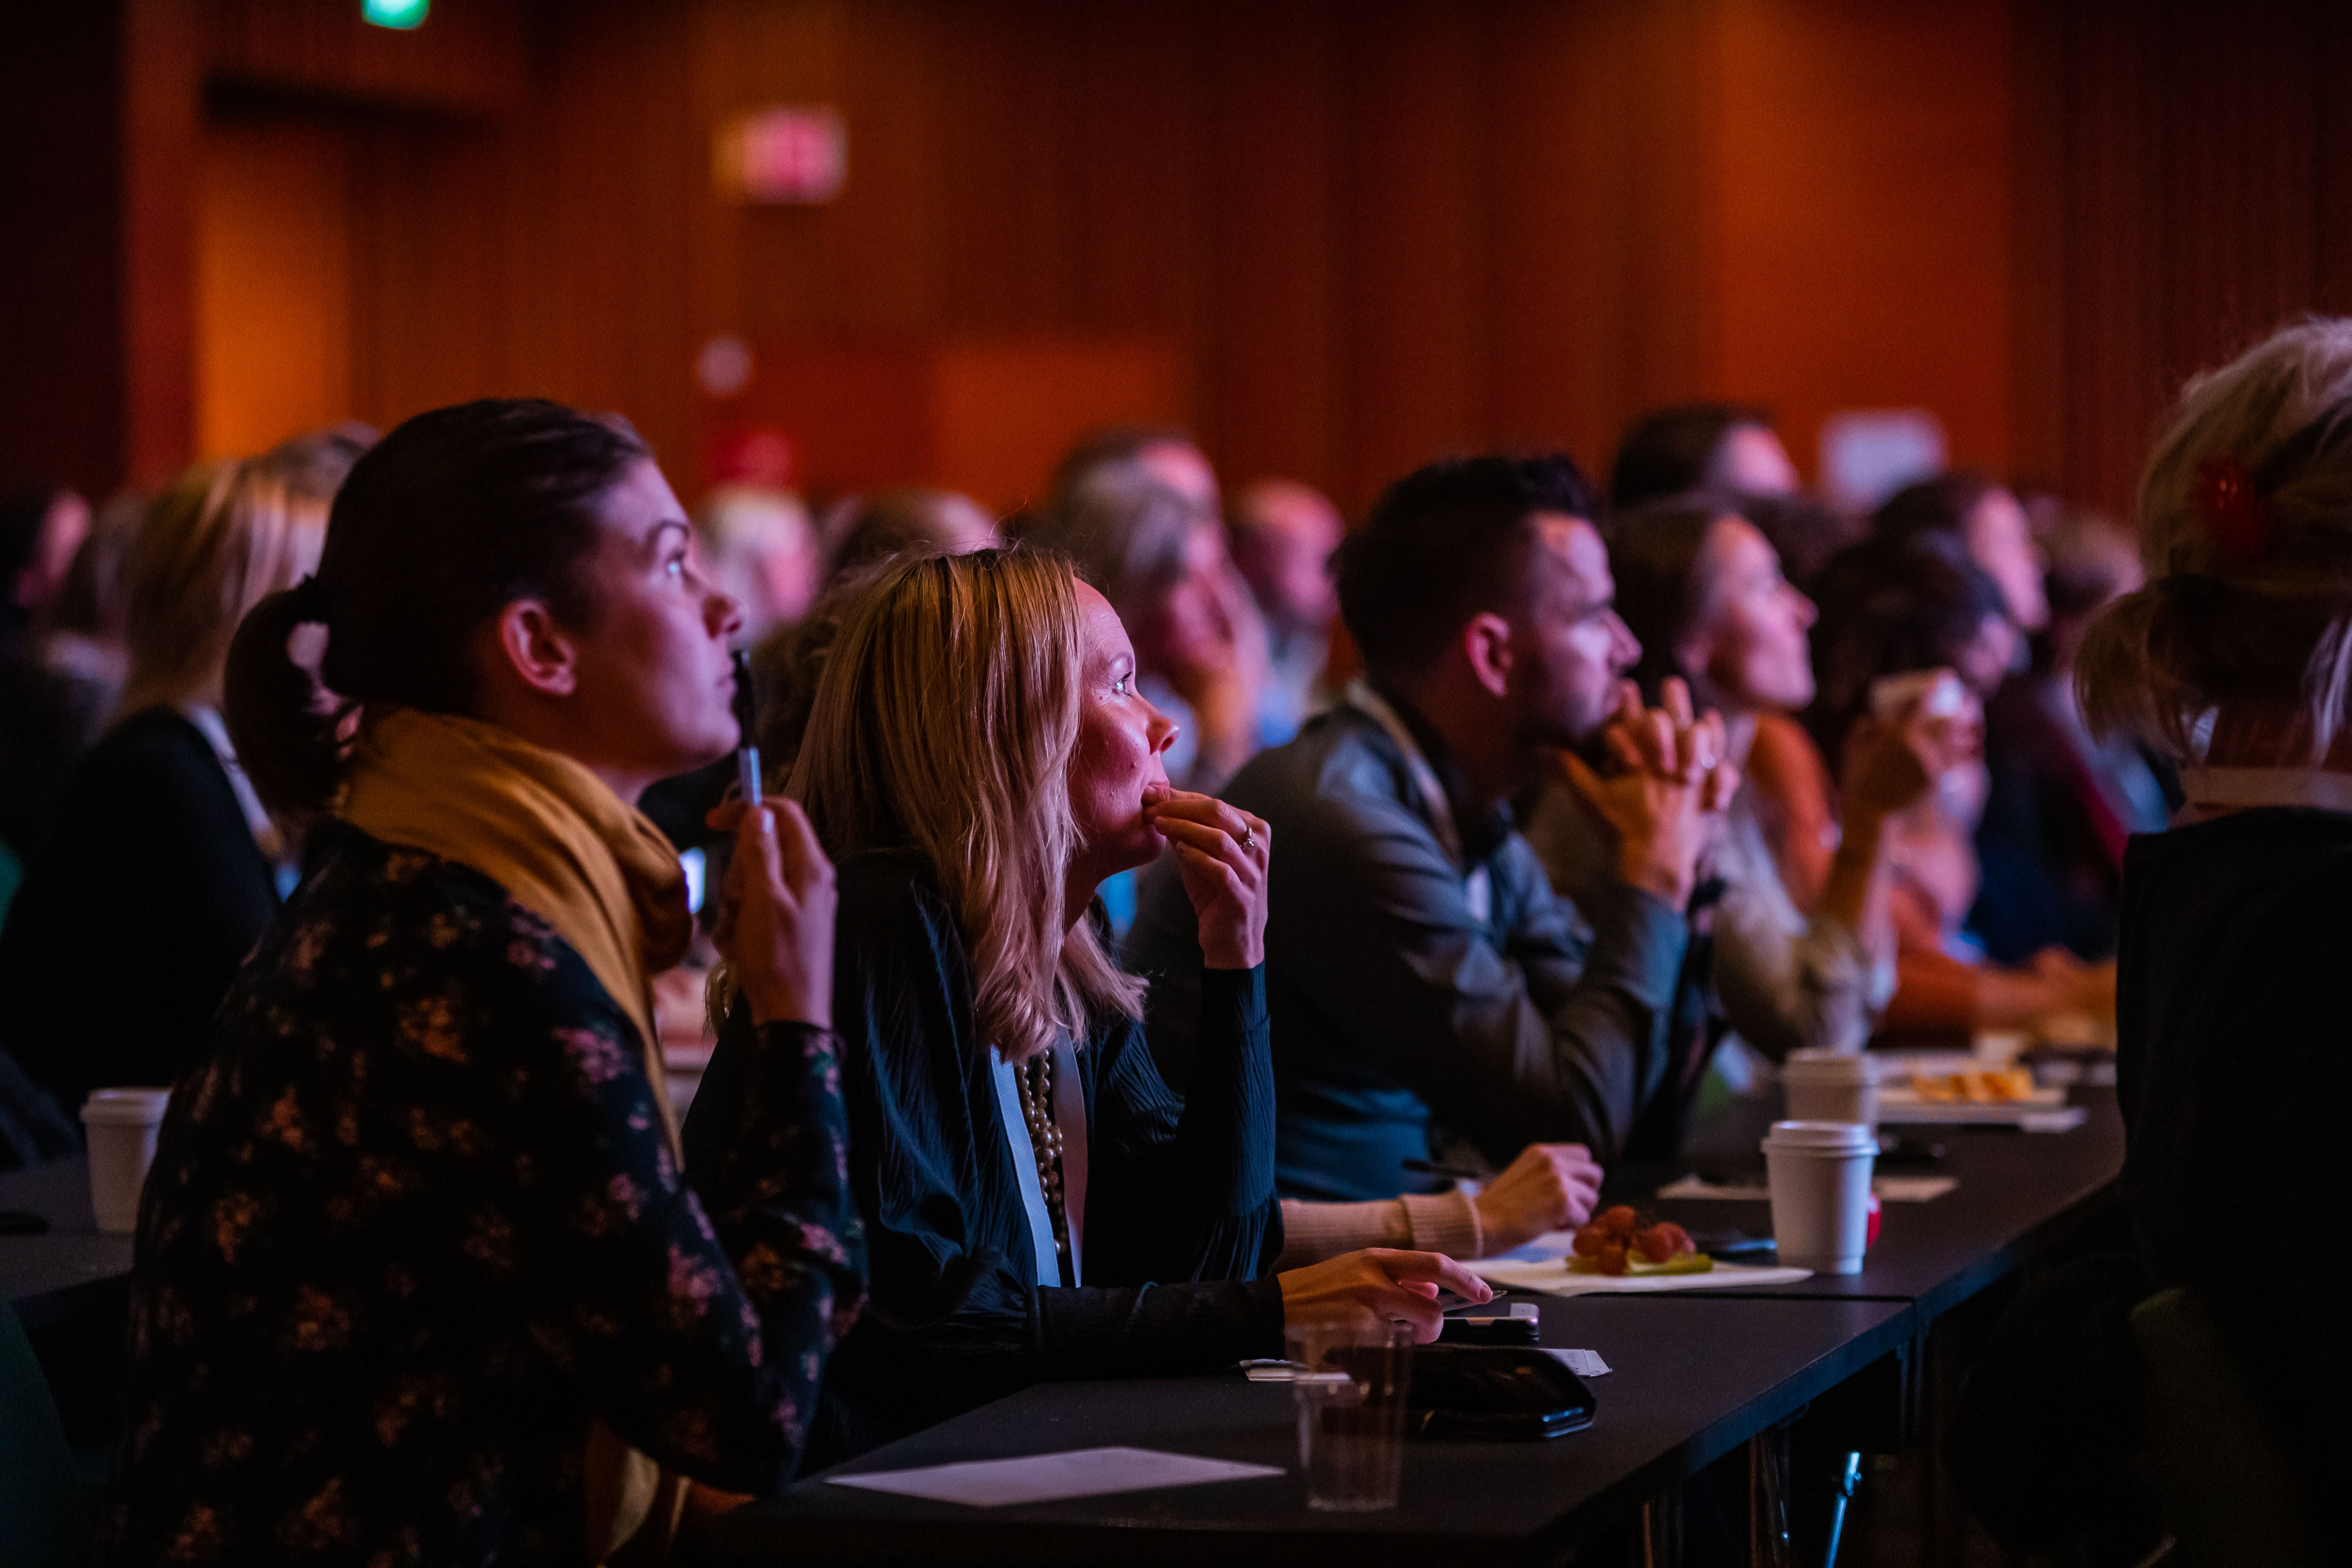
(2212, 628)
(224, 537)
(944, 723)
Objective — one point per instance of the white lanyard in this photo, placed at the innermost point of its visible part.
(257, 820)
(1477, 888)
(2267, 787)
(1070, 1117)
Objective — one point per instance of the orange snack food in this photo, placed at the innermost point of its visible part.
(1657, 1243)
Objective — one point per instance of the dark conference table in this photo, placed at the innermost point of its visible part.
(1690, 1379)
(75, 1271)
(1693, 1374)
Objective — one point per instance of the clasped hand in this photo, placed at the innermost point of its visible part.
(1673, 779)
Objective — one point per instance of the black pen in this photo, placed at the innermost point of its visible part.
(1431, 1168)
(747, 751)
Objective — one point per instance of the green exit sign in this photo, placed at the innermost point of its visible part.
(401, 14)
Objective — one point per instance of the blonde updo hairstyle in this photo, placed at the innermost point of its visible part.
(2219, 628)
(943, 723)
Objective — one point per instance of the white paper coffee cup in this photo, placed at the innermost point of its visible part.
(122, 1124)
(1831, 1086)
(1819, 1174)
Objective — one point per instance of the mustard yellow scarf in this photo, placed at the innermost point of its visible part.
(553, 835)
(564, 846)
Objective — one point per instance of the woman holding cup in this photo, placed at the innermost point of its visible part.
(978, 761)
(418, 1275)
(1702, 589)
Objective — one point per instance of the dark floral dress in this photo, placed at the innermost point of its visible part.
(415, 1225)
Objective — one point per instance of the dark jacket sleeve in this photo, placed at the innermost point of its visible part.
(1183, 1188)
(701, 1331)
(1536, 1037)
(955, 1319)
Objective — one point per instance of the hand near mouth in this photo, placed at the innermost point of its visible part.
(1221, 854)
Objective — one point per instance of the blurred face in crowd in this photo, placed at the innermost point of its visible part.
(1115, 766)
(63, 528)
(1750, 645)
(1285, 554)
(1190, 626)
(1184, 468)
(654, 686)
(2002, 542)
(1752, 462)
(1570, 648)
(1986, 659)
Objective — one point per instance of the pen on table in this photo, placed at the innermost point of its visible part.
(1433, 1168)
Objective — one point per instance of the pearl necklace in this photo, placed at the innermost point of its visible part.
(1035, 1078)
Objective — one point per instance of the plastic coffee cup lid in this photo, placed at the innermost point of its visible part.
(1823, 1137)
(118, 1107)
(1817, 1066)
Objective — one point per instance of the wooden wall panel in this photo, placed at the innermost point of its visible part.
(1374, 230)
(2196, 164)
(63, 402)
(1416, 230)
(1865, 203)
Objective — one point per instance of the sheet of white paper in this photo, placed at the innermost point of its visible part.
(1550, 1276)
(1584, 1363)
(1890, 1189)
(1048, 1477)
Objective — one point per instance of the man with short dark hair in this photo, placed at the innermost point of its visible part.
(1426, 984)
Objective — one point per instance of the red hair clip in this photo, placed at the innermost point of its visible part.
(2236, 514)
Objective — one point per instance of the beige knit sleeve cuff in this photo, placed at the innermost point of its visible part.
(1443, 1222)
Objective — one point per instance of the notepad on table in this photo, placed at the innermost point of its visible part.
(1049, 1477)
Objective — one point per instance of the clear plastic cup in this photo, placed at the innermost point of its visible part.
(1352, 1377)
(1819, 1174)
(123, 1125)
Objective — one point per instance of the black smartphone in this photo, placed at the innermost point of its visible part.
(1494, 1324)
(1495, 1392)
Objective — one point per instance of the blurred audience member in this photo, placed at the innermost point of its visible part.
(82, 638)
(2061, 804)
(1702, 589)
(1802, 531)
(160, 867)
(1902, 605)
(1284, 534)
(1724, 447)
(761, 550)
(875, 527)
(1989, 521)
(41, 533)
(1166, 454)
(1160, 557)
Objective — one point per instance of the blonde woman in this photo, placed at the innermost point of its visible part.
(2237, 659)
(1037, 1203)
(159, 868)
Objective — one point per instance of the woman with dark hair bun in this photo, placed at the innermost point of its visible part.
(1896, 605)
(1701, 587)
(418, 1278)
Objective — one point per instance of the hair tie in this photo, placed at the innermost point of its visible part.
(2236, 512)
(309, 600)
